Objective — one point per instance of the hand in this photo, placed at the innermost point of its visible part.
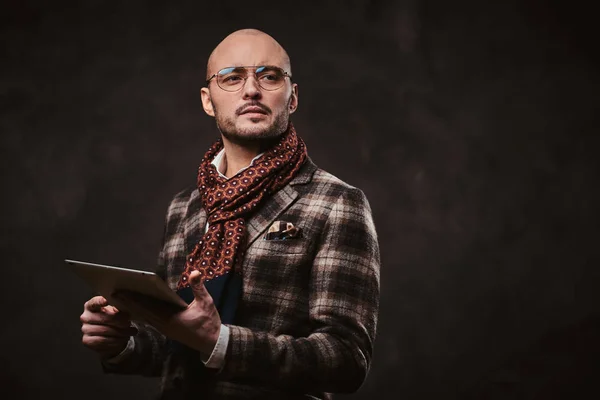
(198, 326)
(106, 330)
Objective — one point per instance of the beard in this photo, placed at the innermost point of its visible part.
(253, 134)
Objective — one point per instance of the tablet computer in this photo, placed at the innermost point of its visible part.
(106, 280)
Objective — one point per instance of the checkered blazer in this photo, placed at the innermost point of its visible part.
(306, 320)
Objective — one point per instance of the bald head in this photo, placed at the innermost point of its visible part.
(247, 47)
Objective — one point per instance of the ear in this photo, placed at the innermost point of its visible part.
(294, 98)
(207, 101)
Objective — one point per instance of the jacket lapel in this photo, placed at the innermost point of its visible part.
(278, 203)
(194, 223)
(269, 211)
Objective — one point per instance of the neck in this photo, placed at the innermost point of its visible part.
(239, 152)
(238, 157)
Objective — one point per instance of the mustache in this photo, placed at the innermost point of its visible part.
(243, 108)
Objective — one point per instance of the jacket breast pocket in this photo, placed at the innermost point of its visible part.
(281, 247)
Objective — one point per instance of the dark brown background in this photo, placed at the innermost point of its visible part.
(471, 127)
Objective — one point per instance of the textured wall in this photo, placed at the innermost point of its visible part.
(471, 127)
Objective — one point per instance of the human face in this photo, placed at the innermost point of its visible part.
(252, 113)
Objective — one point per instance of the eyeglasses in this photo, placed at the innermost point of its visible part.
(232, 79)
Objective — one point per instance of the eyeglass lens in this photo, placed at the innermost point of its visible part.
(233, 78)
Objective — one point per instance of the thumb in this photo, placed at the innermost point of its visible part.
(197, 285)
(111, 309)
(96, 303)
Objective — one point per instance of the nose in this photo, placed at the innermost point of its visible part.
(251, 90)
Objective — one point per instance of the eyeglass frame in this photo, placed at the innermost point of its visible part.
(285, 73)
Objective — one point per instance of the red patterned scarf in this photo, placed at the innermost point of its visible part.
(228, 202)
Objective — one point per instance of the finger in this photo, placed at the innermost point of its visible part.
(200, 292)
(101, 318)
(95, 304)
(109, 309)
(108, 331)
(195, 278)
(104, 344)
(114, 312)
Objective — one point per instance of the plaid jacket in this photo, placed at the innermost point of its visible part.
(306, 321)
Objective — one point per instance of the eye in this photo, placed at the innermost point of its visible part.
(231, 78)
(267, 74)
(269, 77)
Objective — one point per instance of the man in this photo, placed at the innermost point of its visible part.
(278, 259)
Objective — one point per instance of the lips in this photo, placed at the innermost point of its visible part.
(253, 110)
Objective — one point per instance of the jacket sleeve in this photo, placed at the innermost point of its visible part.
(343, 308)
(146, 357)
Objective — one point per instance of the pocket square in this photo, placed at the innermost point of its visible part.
(282, 230)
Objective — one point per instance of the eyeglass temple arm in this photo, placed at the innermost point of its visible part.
(209, 79)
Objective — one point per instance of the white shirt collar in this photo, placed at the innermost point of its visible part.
(218, 161)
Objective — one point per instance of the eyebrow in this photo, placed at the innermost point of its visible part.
(234, 67)
(242, 67)
(252, 66)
